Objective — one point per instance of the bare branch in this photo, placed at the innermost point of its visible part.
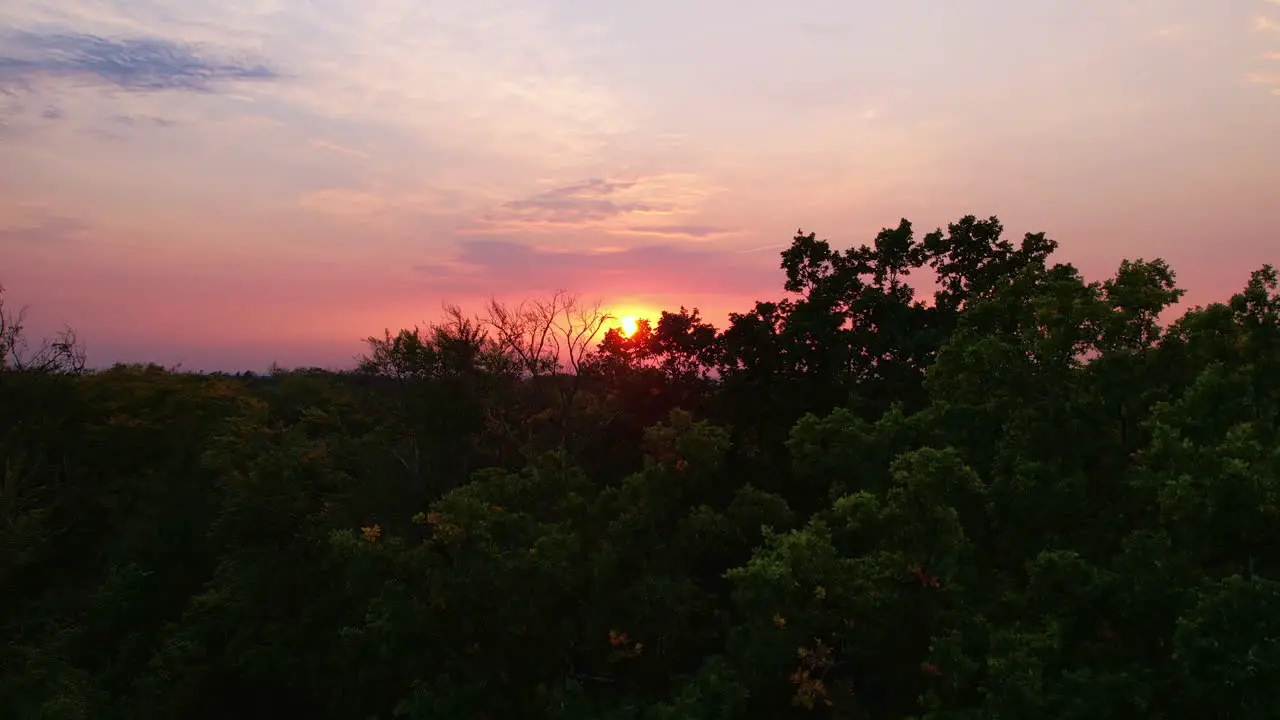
(581, 325)
(547, 335)
(63, 354)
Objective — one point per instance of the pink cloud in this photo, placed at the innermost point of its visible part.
(512, 267)
(658, 205)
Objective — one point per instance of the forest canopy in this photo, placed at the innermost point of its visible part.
(1020, 493)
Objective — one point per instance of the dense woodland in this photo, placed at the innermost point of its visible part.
(1007, 492)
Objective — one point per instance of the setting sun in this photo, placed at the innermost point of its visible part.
(628, 316)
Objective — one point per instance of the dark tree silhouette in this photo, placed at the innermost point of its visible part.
(62, 354)
(1019, 494)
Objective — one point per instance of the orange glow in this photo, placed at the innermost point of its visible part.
(626, 316)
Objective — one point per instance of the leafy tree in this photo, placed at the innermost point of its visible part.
(1021, 493)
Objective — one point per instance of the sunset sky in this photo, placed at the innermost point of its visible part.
(224, 183)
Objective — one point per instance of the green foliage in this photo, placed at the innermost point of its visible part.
(1024, 496)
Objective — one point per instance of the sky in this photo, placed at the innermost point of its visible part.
(228, 183)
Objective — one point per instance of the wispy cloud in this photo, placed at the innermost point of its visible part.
(651, 269)
(590, 201)
(700, 232)
(1269, 80)
(337, 148)
(762, 248)
(618, 149)
(383, 204)
(11, 107)
(102, 134)
(628, 206)
(135, 120)
(345, 202)
(147, 64)
(43, 231)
